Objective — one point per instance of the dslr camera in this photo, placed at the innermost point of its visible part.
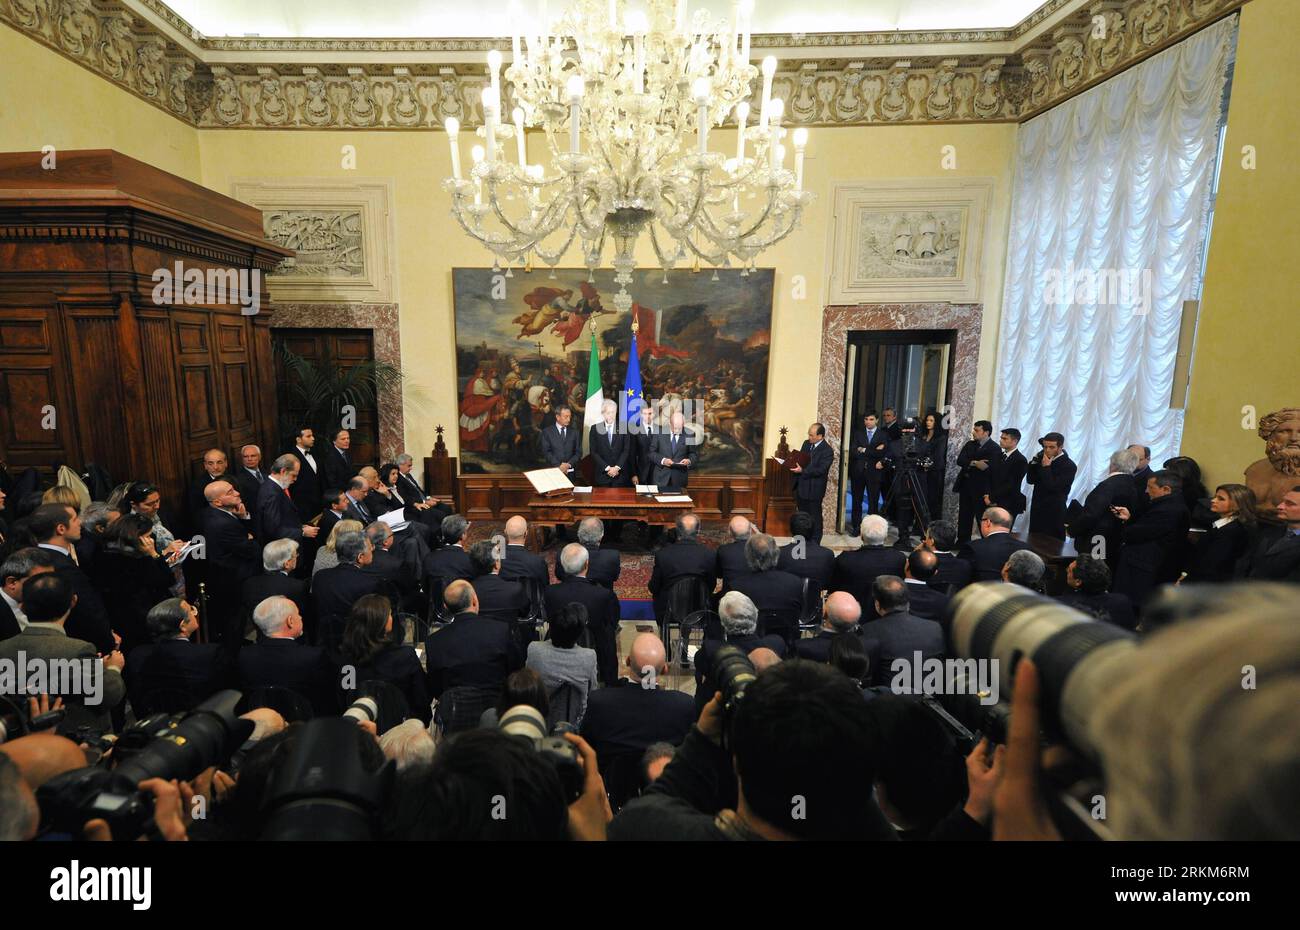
(527, 722)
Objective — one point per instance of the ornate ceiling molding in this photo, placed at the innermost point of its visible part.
(1044, 65)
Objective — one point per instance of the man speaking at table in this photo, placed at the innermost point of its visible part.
(674, 452)
(561, 444)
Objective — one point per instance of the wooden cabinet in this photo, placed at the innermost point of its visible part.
(97, 362)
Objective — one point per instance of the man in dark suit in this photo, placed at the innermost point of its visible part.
(280, 660)
(899, 634)
(357, 508)
(472, 651)
(171, 662)
(739, 617)
(687, 556)
(56, 528)
(399, 576)
(562, 444)
(603, 609)
(17, 568)
(1008, 476)
(674, 452)
(953, 571)
(215, 468)
(856, 569)
(1087, 582)
(309, 487)
(988, 554)
(603, 565)
(803, 557)
(519, 562)
(336, 467)
(642, 432)
(974, 477)
(451, 561)
(1141, 474)
(279, 559)
(1155, 540)
(277, 515)
(923, 600)
(810, 479)
(335, 590)
(611, 450)
(333, 507)
(498, 597)
(867, 446)
(1277, 557)
(249, 475)
(731, 555)
(840, 614)
(1051, 473)
(777, 594)
(1096, 529)
(428, 510)
(628, 719)
(232, 555)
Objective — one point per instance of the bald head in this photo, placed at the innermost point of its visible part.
(41, 756)
(460, 597)
(516, 530)
(216, 489)
(740, 528)
(763, 658)
(997, 520)
(842, 612)
(647, 653)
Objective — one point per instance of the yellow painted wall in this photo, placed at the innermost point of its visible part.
(45, 99)
(1246, 333)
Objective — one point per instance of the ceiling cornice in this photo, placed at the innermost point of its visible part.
(834, 79)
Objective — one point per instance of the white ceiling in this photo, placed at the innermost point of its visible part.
(486, 18)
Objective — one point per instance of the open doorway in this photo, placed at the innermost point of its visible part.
(907, 371)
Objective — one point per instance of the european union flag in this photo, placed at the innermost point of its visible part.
(632, 399)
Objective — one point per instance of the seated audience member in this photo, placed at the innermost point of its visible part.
(413, 493)
(471, 652)
(380, 498)
(371, 651)
(778, 595)
(763, 658)
(523, 686)
(1277, 555)
(279, 559)
(336, 589)
(48, 600)
(567, 669)
(849, 654)
(415, 510)
(1088, 583)
(802, 729)
(519, 562)
(326, 557)
(279, 660)
(603, 566)
(497, 598)
(358, 507)
(145, 499)
(22, 816)
(55, 528)
(731, 554)
(739, 619)
(1155, 540)
(450, 561)
(408, 744)
(988, 554)
(954, 571)
(604, 612)
(170, 672)
(18, 566)
(809, 560)
(1026, 569)
(840, 614)
(857, 569)
(684, 558)
(131, 577)
(655, 759)
(334, 505)
(385, 563)
(924, 600)
(625, 720)
(921, 777)
(898, 634)
(1221, 553)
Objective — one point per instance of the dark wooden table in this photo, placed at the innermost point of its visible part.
(606, 503)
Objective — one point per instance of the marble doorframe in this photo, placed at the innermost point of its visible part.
(839, 321)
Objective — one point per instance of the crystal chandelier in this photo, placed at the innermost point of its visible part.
(626, 105)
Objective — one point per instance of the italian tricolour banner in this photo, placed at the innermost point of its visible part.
(595, 396)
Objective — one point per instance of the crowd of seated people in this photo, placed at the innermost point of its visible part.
(450, 637)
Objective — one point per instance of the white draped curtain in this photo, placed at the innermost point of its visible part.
(1111, 194)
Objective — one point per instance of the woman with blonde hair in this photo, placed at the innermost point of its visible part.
(326, 557)
(1216, 556)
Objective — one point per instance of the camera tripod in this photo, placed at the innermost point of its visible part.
(908, 483)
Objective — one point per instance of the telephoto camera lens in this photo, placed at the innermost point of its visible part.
(363, 708)
(527, 722)
(733, 672)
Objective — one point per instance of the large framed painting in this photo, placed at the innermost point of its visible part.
(907, 241)
(523, 348)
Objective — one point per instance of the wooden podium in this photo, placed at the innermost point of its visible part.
(779, 481)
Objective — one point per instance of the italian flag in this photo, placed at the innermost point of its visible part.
(595, 397)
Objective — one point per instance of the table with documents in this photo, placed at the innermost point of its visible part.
(606, 503)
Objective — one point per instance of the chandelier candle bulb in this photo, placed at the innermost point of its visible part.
(494, 66)
(453, 128)
(518, 114)
(769, 69)
(742, 115)
(747, 10)
(575, 88)
(491, 101)
(701, 88)
(477, 154)
(800, 142)
(513, 13)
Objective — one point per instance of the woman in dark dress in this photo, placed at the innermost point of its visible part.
(935, 439)
(1194, 493)
(368, 645)
(1230, 537)
(131, 576)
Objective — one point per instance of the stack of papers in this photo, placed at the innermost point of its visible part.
(647, 489)
(673, 498)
